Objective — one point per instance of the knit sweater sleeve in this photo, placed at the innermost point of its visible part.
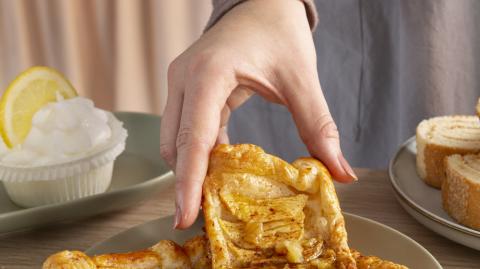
(221, 7)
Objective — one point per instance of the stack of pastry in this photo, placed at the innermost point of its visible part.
(448, 158)
(260, 212)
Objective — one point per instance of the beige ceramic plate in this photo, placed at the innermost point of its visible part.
(367, 236)
(138, 173)
(423, 202)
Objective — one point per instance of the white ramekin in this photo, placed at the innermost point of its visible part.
(30, 186)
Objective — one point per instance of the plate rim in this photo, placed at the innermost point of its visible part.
(130, 188)
(404, 236)
(412, 204)
(350, 215)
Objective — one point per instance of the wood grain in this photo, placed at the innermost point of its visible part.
(371, 197)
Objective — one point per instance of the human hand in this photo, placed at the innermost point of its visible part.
(260, 46)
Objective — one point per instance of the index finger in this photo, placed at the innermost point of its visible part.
(199, 126)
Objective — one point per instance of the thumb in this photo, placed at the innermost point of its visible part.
(317, 128)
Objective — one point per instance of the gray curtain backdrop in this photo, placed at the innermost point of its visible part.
(384, 65)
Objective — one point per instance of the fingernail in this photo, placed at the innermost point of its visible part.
(178, 217)
(348, 169)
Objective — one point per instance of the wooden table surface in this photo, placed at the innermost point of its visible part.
(371, 197)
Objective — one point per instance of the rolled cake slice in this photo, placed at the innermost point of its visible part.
(443, 136)
(477, 108)
(461, 189)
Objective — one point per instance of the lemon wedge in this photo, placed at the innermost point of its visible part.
(26, 94)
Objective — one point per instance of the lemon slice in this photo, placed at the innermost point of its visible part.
(25, 95)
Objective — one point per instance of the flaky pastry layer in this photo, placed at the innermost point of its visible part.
(262, 211)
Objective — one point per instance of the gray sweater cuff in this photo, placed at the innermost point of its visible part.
(221, 7)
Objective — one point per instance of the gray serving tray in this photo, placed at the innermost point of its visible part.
(139, 172)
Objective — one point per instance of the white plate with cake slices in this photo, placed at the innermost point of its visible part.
(424, 202)
(367, 236)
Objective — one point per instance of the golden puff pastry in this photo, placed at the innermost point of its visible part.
(372, 262)
(69, 260)
(165, 254)
(198, 251)
(327, 261)
(262, 212)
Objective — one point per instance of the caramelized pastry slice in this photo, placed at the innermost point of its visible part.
(247, 209)
(372, 262)
(198, 252)
(69, 260)
(252, 235)
(137, 259)
(165, 254)
(325, 260)
(246, 190)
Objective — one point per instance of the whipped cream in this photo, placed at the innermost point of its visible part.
(61, 131)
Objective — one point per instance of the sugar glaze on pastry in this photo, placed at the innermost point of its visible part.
(261, 211)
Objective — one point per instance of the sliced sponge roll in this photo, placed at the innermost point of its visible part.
(477, 108)
(461, 189)
(440, 137)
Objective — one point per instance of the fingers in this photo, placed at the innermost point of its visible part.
(171, 117)
(198, 132)
(317, 128)
(169, 127)
(223, 136)
(238, 96)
